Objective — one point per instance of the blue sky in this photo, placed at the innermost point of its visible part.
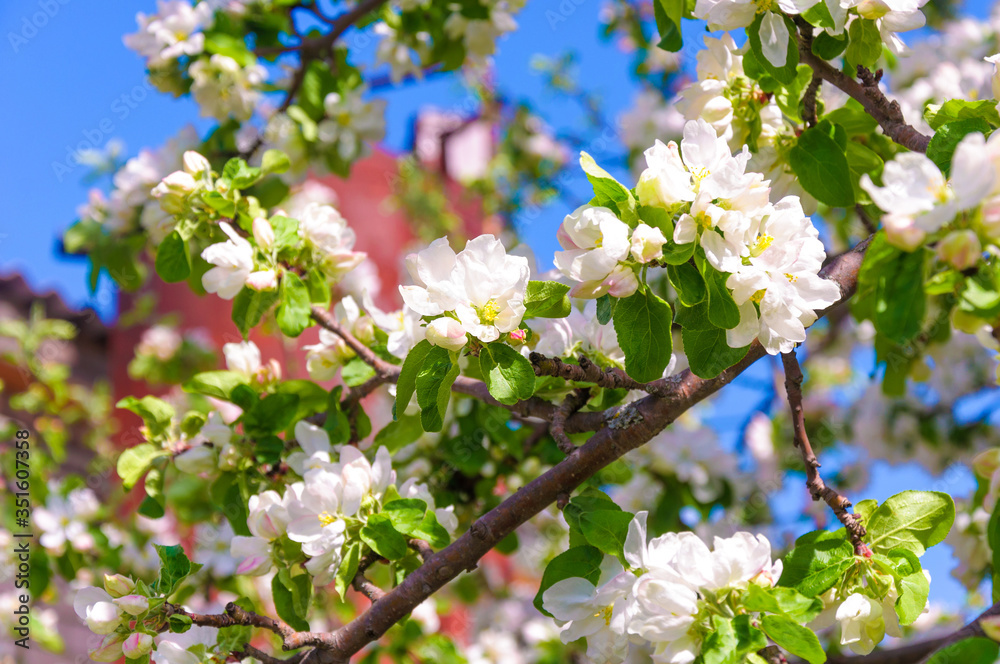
(70, 83)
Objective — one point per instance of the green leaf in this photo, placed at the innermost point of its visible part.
(135, 461)
(820, 162)
(272, 414)
(911, 520)
(606, 530)
(290, 596)
(173, 263)
(240, 174)
(226, 495)
(642, 323)
(853, 119)
(218, 384)
(668, 15)
(381, 536)
(789, 71)
(678, 254)
(794, 638)
(817, 562)
(294, 312)
(913, 591)
(406, 383)
(547, 299)
(959, 109)
(606, 308)
(433, 386)
(976, 650)
(722, 309)
(865, 47)
(432, 532)
(731, 640)
(708, 352)
(156, 413)
(787, 601)
(405, 514)
(230, 46)
(174, 568)
(508, 374)
(348, 567)
(579, 561)
(286, 235)
(900, 303)
(720, 643)
(819, 15)
(946, 139)
(249, 306)
(688, 282)
(608, 192)
(827, 46)
(275, 161)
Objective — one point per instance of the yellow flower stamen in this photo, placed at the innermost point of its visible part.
(326, 518)
(791, 277)
(488, 312)
(606, 613)
(758, 296)
(761, 245)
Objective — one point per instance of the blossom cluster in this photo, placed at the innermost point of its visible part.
(479, 291)
(322, 511)
(672, 585)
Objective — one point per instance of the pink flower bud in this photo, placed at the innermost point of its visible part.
(117, 585)
(447, 333)
(262, 280)
(109, 650)
(960, 249)
(137, 644)
(263, 233)
(133, 604)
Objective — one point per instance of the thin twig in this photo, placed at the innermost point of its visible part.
(809, 101)
(588, 372)
(814, 482)
(887, 113)
(363, 585)
(422, 548)
(573, 402)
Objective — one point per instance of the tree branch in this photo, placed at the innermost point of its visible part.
(814, 482)
(587, 372)
(630, 426)
(363, 585)
(389, 373)
(887, 113)
(573, 402)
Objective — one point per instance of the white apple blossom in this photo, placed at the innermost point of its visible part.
(96, 608)
(108, 650)
(918, 200)
(780, 276)
(223, 88)
(594, 241)
(351, 123)
(325, 229)
(892, 16)
(647, 243)
(861, 624)
(173, 31)
(482, 285)
(243, 357)
(267, 515)
(63, 520)
(595, 612)
(160, 341)
(197, 459)
(253, 554)
(403, 327)
(233, 261)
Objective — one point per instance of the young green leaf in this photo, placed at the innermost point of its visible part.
(820, 162)
(294, 313)
(509, 375)
(793, 637)
(547, 299)
(173, 263)
(642, 322)
(911, 520)
(708, 352)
